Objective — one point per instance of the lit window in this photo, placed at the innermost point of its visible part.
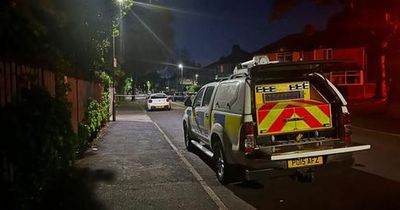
(350, 77)
(285, 57)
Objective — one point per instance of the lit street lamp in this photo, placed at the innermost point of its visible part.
(181, 68)
(196, 78)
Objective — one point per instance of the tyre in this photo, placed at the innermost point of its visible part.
(188, 144)
(222, 167)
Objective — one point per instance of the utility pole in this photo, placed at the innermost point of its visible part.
(115, 61)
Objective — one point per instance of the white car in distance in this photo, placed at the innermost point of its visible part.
(158, 101)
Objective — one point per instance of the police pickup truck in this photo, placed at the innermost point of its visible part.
(268, 117)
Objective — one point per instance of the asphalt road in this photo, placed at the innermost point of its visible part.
(372, 184)
(140, 162)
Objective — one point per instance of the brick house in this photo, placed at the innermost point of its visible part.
(353, 78)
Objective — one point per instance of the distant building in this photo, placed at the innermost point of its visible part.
(225, 65)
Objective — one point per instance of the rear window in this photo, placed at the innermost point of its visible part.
(158, 96)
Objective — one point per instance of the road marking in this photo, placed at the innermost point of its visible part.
(205, 186)
(376, 131)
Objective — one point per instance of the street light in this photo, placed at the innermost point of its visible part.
(114, 60)
(181, 68)
(196, 78)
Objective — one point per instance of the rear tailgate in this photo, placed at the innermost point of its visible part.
(287, 108)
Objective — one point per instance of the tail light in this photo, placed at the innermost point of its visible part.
(150, 101)
(247, 137)
(346, 122)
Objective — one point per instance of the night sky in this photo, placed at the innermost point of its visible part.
(209, 28)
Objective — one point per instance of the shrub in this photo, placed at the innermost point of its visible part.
(97, 115)
(37, 145)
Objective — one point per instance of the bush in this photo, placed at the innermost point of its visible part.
(37, 146)
(97, 115)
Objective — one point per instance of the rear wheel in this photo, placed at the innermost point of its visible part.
(222, 167)
(188, 144)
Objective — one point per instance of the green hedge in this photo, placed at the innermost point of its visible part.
(37, 146)
(96, 116)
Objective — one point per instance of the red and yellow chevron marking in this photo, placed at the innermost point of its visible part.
(291, 116)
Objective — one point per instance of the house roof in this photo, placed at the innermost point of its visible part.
(321, 39)
(236, 56)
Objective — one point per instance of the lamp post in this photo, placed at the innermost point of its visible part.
(181, 68)
(115, 61)
(114, 66)
(196, 78)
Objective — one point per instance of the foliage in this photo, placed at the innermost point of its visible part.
(105, 79)
(97, 115)
(63, 35)
(37, 145)
(193, 88)
(128, 87)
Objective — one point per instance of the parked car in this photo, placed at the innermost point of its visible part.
(158, 101)
(268, 117)
(179, 96)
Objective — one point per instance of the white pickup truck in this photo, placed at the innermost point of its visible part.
(270, 117)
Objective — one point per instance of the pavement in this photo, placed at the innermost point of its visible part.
(133, 167)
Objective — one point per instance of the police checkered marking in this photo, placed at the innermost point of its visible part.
(272, 117)
(265, 89)
(299, 86)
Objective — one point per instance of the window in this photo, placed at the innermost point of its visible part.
(158, 96)
(328, 54)
(346, 77)
(197, 100)
(226, 97)
(285, 57)
(207, 96)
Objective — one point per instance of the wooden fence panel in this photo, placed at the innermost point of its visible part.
(14, 77)
(72, 98)
(2, 85)
(8, 83)
(13, 71)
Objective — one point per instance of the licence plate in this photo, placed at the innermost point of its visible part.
(302, 162)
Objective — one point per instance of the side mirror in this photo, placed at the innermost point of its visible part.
(188, 102)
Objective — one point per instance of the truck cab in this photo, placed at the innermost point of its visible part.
(270, 117)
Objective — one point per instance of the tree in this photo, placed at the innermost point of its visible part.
(68, 36)
(148, 40)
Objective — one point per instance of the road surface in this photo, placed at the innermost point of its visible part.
(147, 167)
